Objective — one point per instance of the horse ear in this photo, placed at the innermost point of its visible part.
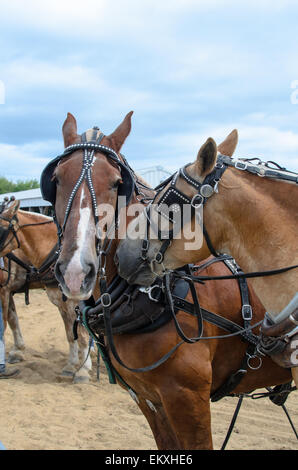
(69, 130)
(206, 157)
(13, 206)
(120, 134)
(228, 146)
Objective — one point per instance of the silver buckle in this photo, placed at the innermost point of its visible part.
(241, 165)
(246, 312)
(106, 300)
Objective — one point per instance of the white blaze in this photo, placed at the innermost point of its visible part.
(74, 274)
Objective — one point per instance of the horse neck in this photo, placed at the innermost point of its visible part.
(259, 229)
(36, 242)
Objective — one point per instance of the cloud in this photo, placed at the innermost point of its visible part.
(189, 69)
(25, 161)
(27, 72)
(265, 142)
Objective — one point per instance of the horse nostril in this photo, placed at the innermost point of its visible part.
(59, 272)
(116, 259)
(90, 273)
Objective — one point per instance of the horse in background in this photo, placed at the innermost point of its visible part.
(36, 235)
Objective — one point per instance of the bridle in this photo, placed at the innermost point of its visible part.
(176, 199)
(209, 186)
(11, 228)
(89, 147)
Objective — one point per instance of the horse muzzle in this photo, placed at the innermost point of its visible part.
(77, 283)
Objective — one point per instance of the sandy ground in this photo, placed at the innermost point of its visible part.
(41, 410)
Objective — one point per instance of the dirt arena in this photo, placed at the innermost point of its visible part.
(41, 410)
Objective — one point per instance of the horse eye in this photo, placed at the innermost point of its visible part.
(116, 184)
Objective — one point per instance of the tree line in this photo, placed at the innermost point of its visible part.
(7, 186)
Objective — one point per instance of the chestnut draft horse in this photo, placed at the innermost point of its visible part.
(174, 397)
(253, 219)
(36, 235)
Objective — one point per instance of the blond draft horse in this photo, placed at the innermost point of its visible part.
(36, 242)
(253, 219)
(175, 397)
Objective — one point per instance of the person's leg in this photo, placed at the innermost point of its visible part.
(2, 346)
(4, 373)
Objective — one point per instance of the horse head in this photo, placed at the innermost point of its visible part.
(9, 225)
(83, 184)
(140, 261)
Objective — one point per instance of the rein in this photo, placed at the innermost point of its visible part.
(192, 308)
(241, 275)
(103, 249)
(32, 273)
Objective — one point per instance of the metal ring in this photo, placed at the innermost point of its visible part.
(197, 205)
(106, 300)
(258, 366)
(159, 257)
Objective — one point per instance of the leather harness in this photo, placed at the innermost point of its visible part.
(45, 273)
(109, 314)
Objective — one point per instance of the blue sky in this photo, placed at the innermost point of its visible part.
(189, 69)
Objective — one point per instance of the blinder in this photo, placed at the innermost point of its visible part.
(5, 231)
(48, 186)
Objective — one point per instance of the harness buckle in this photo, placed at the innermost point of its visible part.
(106, 300)
(246, 312)
(145, 244)
(240, 165)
